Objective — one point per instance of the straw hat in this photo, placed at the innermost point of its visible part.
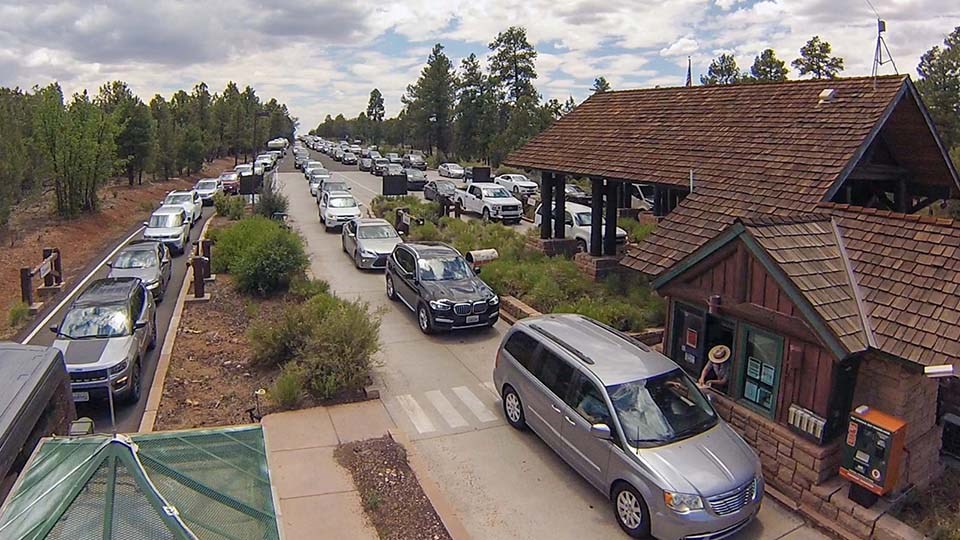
(719, 354)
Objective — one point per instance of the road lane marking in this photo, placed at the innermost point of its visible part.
(445, 408)
(415, 413)
(355, 182)
(474, 404)
(33, 333)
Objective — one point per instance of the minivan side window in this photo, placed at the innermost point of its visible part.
(522, 348)
(586, 399)
(555, 373)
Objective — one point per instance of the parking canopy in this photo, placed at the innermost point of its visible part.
(166, 485)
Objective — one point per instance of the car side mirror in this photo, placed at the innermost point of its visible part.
(476, 269)
(139, 324)
(351, 235)
(109, 265)
(601, 431)
(54, 330)
(144, 223)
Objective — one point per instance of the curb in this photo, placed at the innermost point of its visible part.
(149, 417)
(441, 505)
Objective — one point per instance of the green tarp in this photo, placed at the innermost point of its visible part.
(204, 484)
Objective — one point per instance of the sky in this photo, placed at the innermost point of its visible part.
(324, 56)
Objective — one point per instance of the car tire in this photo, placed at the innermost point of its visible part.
(423, 319)
(513, 408)
(460, 209)
(356, 259)
(630, 511)
(133, 394)
(391, 290)
(153, 336)
(485, 215)
(516, 193)
(581, 246)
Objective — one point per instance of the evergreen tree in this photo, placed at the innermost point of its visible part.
(768, 68)
(165, 161)
(430, 101)
(600, 84)
(568, 106)
(476, 112)
(135, 140)
(512, 63)
(723, 70)
(815, 60)
(375, 114)
(939, 84)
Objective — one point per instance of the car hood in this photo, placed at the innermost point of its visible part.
(161, 231)
(206, 192)
(94, 353)
(707, 464)
(501, 200)
(187, 206)
(381, 246)
(343, 211)
(147, 275)
(525, 183)
(463, 290)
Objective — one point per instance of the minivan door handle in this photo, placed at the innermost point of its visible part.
(569, 421)
(555, 408)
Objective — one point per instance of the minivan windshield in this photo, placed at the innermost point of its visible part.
(661, 409)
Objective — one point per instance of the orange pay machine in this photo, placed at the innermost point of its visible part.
(872, 454)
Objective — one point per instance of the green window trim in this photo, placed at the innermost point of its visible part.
(757, 384)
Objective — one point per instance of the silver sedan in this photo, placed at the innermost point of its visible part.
(369, 242)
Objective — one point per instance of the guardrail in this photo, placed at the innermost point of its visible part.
(50, 270)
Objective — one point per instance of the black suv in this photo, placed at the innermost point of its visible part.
(438, 284)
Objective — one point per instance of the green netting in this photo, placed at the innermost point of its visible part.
(170, 485)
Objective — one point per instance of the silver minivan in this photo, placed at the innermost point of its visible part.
(633, 424)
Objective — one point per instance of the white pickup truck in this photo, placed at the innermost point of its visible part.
(490, 201)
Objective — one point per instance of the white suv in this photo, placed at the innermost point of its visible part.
(190, 201)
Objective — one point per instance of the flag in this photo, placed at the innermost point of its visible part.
(689, 73)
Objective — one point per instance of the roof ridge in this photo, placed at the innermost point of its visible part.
(915, 218)
(719, 87)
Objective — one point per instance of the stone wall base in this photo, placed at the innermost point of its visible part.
(552, 247)
(597, 268)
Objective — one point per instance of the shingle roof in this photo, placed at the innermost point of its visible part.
(770, 139)
(811, 255)
(908, 269)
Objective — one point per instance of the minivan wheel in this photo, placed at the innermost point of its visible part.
(513, 408)
(631, 511)
(423, 320)
(391, 291)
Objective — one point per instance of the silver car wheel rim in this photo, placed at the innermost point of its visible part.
(390, 287)
(513, 407)
(628, 508)
(422, 316)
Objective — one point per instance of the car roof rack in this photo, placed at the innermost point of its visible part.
(563, 344)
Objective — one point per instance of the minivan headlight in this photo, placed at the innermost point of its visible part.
(682, 503)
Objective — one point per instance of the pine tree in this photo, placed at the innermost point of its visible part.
(815, 60)
(430, 101)
(600, 84)
(375, 114)
(768, 68)
(512, 63)
(939, 84)
(723, 70)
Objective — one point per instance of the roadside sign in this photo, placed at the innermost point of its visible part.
(45, 267)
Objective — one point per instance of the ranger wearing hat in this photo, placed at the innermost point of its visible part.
(716, 373)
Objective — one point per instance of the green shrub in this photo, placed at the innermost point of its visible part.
(305, 288)
(229, 207)
(19, 313)
(636, 231)
(275, 342)
(287, 390)
(267, 266)
(385, 208)
(271, 201)
(428, 232)
(230, 242)
(340, 355)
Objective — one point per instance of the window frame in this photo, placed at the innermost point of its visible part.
(745, 329)
(541, 362)
(579, 379)
(534, 355)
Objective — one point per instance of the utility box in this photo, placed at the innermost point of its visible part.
(873, 450)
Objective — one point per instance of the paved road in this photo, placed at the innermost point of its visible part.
(128, 417)
(503, 484)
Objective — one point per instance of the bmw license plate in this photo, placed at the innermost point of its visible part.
(81, 397)
(471, 319)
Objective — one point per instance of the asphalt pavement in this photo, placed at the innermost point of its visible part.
(127, 416)
(502, 483)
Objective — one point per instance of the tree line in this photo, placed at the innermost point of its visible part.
(815, 60)
(73, 145)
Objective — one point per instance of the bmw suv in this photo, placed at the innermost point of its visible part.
(104, 338)
(633, 424)
(436, 282)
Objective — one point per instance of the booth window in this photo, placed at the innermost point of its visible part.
(760, 364)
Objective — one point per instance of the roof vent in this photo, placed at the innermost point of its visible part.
(827, 96)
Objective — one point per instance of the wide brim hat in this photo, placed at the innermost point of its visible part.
(719, 354)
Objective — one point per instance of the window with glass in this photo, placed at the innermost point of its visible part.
(586, 399)
(760, 359)
(522, 348)
(555, 373)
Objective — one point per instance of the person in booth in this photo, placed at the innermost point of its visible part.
(716, 374)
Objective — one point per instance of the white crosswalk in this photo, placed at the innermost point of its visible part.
(445, 410)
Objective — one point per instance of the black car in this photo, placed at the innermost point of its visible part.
(414, 161)
(438, 284)
(416, 179)
(434, 189)
(365, 164)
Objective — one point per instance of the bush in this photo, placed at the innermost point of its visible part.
(305, 288)
(229, 207)
(287, 390)
(340, 355)
(230, 242)
(385, 208)
(267, 266)
(636, 231)
(275, 342)
(19, 313)
(271, 201)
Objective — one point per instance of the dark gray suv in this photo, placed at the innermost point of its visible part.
(633, 424)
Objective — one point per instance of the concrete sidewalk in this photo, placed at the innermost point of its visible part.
(316, 497)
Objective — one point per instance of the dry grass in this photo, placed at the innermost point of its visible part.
(935, 511)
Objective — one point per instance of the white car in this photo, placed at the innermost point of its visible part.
(577, 219)
(310, 166)
(169, 225)
(188, 200)
(337, 208)
(207, 188)
(517, 184)
(317, 178)
(491, 201)
(450, 170)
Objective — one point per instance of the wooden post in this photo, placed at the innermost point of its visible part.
(205, 253)
(26, 286)
(198, 264)
(546, 205)
(610, 226)
(560, 206)
(48, 278)
(57, 267)
(596, 217)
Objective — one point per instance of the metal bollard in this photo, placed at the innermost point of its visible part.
(198, 264)
(205, 246)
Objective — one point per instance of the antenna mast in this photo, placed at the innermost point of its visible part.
(878, 57)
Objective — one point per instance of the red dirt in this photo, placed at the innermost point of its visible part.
(35, 226)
